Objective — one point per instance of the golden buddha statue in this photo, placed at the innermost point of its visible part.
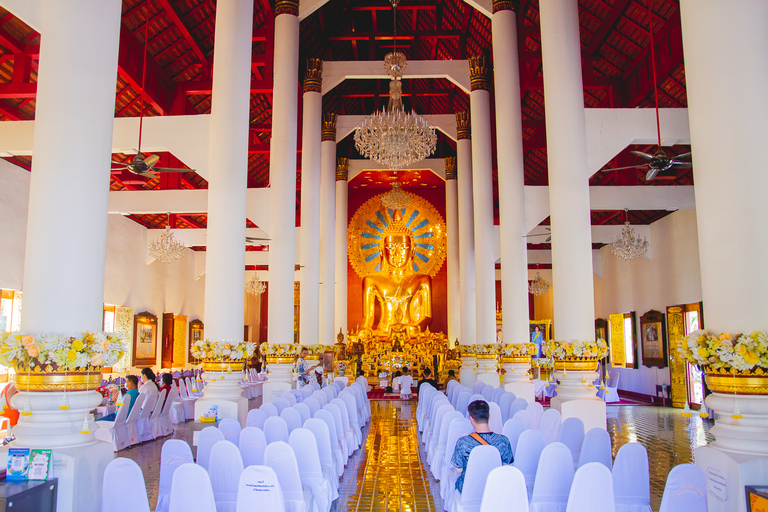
(404, 296)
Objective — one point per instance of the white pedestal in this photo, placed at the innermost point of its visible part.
(280, 381)
(517, 381)
(467, 374)
(223, 390)
(727, 475)
(745, 437)
(487, 371)
(574, 385)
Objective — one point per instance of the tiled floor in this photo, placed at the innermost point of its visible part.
(388, 474)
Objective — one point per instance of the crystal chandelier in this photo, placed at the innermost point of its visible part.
(628, 245)
(396, 199)
(255, 286)
(539, 286)
(166, 248)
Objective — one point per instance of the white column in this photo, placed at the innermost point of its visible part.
(482, 190)
(728, 115)
(342, 194)
(327, 220)
(227, 186)
(452, 249)
(467, 303)
(309, 297)
(574, 307)
(509, 152)
(282, 173)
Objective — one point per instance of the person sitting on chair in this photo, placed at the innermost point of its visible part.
(451, 376)
(479, 412)
(131, 384)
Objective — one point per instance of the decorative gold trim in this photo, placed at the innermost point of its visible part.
(450, 168)
(463, 125)
(287, 7)
(486, 356)
(48, 382)
(328, 131)
(737, 384)
(576, 365)
(223, 366)
(342, 169)
(516, 359)
(313, 79)
(478, 73)
(757, 372)
(279, 360)
(504, 5)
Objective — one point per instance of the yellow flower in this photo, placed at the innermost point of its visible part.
(703, 353)
(71, 355)
(27, 340)
(751, 358)
(725, 336)
(741, 349)
(77, 345)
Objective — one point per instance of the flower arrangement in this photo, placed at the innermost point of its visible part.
(280, 349)
(341, 366)
(741, 352)
(576, 349)
(56, 352)
(221, 350)
(487, 349)
(519, 349)
(316, 350)
(466, 350)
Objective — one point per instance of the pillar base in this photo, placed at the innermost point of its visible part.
(517, 381)
(223, 390)
(574, 385)
(467, 374)
(745, 438)
(487, 372)
(727, 475)
(280, 380)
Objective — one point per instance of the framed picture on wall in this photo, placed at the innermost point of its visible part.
(195, 334)
(144, 339)
(539, 331)
(654, 341)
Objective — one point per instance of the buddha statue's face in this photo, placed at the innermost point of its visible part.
(397, 250)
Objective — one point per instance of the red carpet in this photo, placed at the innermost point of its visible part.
(379, 394)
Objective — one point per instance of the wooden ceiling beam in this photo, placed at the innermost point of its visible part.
(606, 27)
(187, 35)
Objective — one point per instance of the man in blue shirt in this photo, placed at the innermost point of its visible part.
(479, 412)
(131, 384)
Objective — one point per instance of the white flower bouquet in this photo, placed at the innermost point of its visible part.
(56, 352)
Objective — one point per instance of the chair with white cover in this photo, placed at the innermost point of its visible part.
(259, 489)
(553, 479)
(252, 445)
(596, 448)
(281, 457)
(208, 437)
(424, 394)
(191, 490)
(269, 409)
(536, 411)
(463, 401)
(457, 429)
(487, 392)
(290, 397)
(275, 429)
(304, 412)
(313, 405)
(611, 392)
(513, 427)
(477, 387)
(315, 386)
(192, 388)
(450, 388)
(256, 418)
(133, 493)
(323, 441)
(187, 401)
(429, 400)
(354, 420)
(298, 397)
(306, 392)
(166, 423)
(349, 433)
(117, 432)
(224, 470)
(494, 420)
(174, 453)
(303, 441)
(231, 430)
(361, 392)
(436, 464)
(431, 439)
(631, 479)
(592, 490)
(529, 447)
(330, 393)
(497, 394)
(518, 404)
(292, 418)
(685, 490)
(132, 423)
(504, 491)
(281, 403)
(505, 404)
(550, 425)
(482, 460)
(572, 436)
(340, 457)
(149, 419)
(336, 412)
(321, 397)
(523, 416)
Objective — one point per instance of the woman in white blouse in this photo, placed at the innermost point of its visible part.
(148, 385)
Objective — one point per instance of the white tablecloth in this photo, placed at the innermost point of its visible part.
(104, 410)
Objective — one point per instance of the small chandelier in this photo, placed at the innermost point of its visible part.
(628, 245)
(255, 286)
(166, 248)
(396, 199)
(539, 286)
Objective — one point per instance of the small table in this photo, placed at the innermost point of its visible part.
(38, 495)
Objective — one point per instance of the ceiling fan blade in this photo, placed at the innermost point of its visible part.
(254, 239)
(168, 169)
(682, 155)
(549, 239)
(644, 155)
(118, 162)
(145, 174)
(651, 174)
(682, 164)
(151, 160)
(622, 168)
(123, 168)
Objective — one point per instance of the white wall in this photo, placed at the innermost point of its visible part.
(670, 277)
(14, 198)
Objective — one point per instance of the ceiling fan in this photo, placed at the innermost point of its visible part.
(548, 234)
(252, 240)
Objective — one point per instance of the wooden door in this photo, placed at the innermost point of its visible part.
(166, 357)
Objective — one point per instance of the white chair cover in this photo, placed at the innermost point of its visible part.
(354, 420)
(686, 490)
(611, 392)
(292, 418)
(494, 422)
(154, 427)
(482, 459)
(529, 447)
(304, 412)
(450, 388)
(349, 434)
(596, 448)
(297, 396)
(512, 429)
(281, 403)
(505, 491)
(132, 495)
(315, 386)
(306, 392)
(592, 490)
(252, 446)
(523, 416)
(336, 412)
(259, 489)
(436, 466)
(187, 399)
(323, 439)
(477, 387)
(550, 425)
(290, 397)
(191, 489)
(536, 411)
(303, 441)
(432, 416)
(224, 470)
(425, 392)
(553, 479)
(631, 479)
(231, 430)
(518, 404)
(166, 422)
(321, 397)
(208, 437)
(174, 453)
(117, 431)
(462, 401)
(313, 405)
(275, 429)
(429, 400)
(269, 409)
(330, 393)
(457, 428)
(431, 442)
(572, 436)
(256, 418)
(340, 457)
(505, 404)
(281, 457)
(487, 392)
(131, 423)
(361, 398)
(497, 394)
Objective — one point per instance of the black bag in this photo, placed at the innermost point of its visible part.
(388, 389)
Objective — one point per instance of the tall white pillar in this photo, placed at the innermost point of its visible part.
(574, 304)
(482, 195)
(509, 152)
(452, 249)
(282, 173)
(342, 196)
(327, 228)
(467, 303)
(309, 297)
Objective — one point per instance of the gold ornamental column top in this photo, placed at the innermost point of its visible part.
(504, 5)
(313, 79)
(328, 131)
(342, 169)
(463, 126)
(287, 7)
(450, 168)
(478, 73)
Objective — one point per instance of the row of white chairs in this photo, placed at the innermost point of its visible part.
(150, 418)
(253, 384)
(189, 391)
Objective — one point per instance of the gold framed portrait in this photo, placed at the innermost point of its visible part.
(144, 339)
